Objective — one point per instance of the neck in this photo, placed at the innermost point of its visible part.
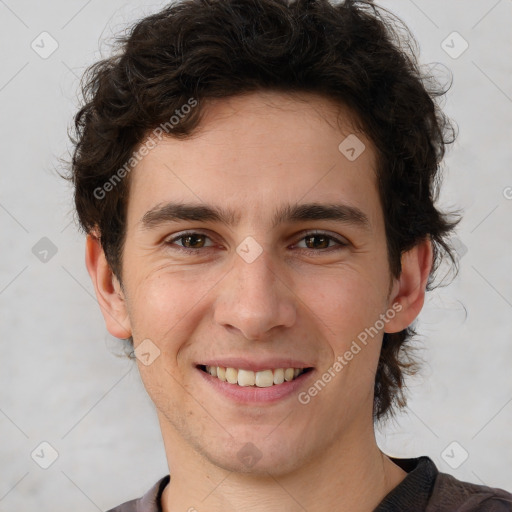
(354, 475)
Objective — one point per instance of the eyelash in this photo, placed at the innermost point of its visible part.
(170, 242)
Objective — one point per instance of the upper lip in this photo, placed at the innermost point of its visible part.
(255, 366)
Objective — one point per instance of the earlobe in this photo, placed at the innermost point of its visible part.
(409, 289)
(108, 290)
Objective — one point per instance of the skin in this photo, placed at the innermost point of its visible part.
(254, 153)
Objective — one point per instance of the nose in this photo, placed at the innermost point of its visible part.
(255, 298)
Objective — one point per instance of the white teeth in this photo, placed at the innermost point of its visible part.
(231, 375)
(246, 378)
(278, 376)
(288, 374)
(261, 379)
(264, 379)
(221, 373)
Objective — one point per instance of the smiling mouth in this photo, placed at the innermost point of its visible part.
(248, 378)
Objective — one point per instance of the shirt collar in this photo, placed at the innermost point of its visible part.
(413, 492)
(152, 500)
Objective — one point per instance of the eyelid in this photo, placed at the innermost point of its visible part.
(340, 241)
(182, 234)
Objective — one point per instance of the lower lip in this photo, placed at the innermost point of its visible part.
(253, 394)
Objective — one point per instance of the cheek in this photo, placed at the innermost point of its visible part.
(164, 308)
(164, 304)
(348, 308)
(346, 302)
(153, 306)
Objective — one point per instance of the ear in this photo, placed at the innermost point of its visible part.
(409, 289)
(108, 289)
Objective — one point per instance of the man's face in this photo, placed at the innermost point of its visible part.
(262, 292)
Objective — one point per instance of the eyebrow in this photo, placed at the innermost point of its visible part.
(171, 212)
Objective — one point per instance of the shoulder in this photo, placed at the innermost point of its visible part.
(150, 502)
(451, 494)
(425, 489)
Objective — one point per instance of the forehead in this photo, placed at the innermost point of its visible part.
(253, 152)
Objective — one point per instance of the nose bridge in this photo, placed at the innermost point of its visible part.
(254, 298)
(254, 272)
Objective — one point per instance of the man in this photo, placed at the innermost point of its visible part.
(257, 183)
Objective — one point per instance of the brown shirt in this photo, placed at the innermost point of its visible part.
(424, 489)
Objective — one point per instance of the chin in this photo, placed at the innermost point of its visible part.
(270, 452)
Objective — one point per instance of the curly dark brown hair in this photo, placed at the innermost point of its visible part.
(359, 55)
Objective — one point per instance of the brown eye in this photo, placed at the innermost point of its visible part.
(193, 241)
(317, 241)
(189, 242)
(321, 241)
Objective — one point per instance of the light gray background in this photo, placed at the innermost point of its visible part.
(60, 380)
